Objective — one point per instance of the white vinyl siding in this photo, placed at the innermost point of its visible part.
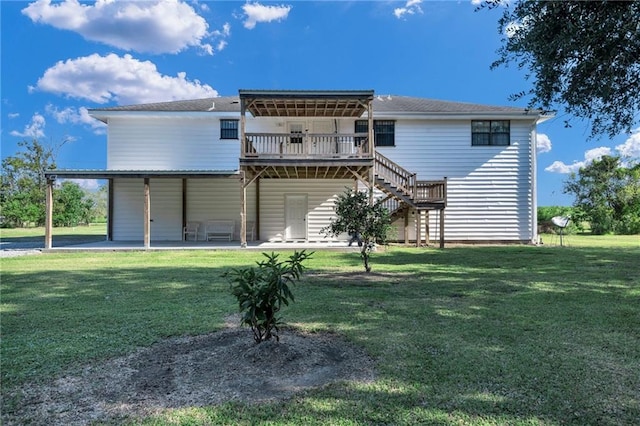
(321, 196)
(169, 144)
(218, 199)
(165, 202)
(128, 211)
(489, 187)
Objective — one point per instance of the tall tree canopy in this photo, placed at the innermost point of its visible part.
(23, 190)
(582, 54)
(23, 185)
(607, 195)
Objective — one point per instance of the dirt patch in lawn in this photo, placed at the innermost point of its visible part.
(192, 371)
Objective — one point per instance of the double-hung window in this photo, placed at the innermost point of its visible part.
(228, 129)
(384, 131)
(490, 133)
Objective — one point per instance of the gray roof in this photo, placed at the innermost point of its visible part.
(220, 103)
(381, 103)
(407, 104)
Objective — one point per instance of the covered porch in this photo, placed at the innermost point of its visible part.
(145, 177)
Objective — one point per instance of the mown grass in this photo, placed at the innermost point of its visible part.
(465, 335)
(75, 234)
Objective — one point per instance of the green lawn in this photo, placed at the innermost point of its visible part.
(70, 235)
(466, 335)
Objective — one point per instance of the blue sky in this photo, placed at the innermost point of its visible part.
(60, 58)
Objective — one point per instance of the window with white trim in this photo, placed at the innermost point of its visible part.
(228, 129)
(490, 133)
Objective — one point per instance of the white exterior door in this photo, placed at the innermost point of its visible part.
(166, 209)
(295, 217)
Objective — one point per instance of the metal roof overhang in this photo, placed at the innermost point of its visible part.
(307, 103)
(110, 174)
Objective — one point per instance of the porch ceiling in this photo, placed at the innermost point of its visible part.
(315, 103)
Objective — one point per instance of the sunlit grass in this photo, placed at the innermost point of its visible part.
(466, 335)
(588, 240)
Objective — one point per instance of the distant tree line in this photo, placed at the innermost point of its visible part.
(607, 199)
(23, 191)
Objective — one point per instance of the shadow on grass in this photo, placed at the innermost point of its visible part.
(55, 319)
(61, 240)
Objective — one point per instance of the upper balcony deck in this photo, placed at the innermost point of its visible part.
(292, 146)
(314, 154)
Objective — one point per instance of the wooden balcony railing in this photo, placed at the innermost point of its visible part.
(305, 145)
(431, 191)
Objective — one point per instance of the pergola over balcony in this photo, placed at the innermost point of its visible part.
(284, 147)
(309, 103)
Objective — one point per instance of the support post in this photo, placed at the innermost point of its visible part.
(110, 207)
(371, 178)
(184, 207)
(427, 233)
(406, 225)
(441, 228)
(147, 214)
(256, 231)
(48, 224)
(418, 228)
(243, 210)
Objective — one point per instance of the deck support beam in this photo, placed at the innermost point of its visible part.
(427, 236)
(48, 224)
(441, 228)
(407, 212)
(243, 210)
(256, 232)
(418, 228)
(110, 210)
(184, 206)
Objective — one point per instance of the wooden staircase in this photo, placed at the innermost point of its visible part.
(404, 192)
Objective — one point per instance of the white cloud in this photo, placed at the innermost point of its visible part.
(125, 80)
(543, 143)
(13, 115)
(589, 156)
(222, 34)
(162, 26)
(411, 7)
(76, 116)
(35, 129)
(631, 147)
(257, 12)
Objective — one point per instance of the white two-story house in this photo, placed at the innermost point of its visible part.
(268, 165)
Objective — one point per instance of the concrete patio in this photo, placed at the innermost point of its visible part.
(197, 245)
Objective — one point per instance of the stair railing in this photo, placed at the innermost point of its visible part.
(395, 175)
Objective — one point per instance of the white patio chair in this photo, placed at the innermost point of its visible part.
(190, 229)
